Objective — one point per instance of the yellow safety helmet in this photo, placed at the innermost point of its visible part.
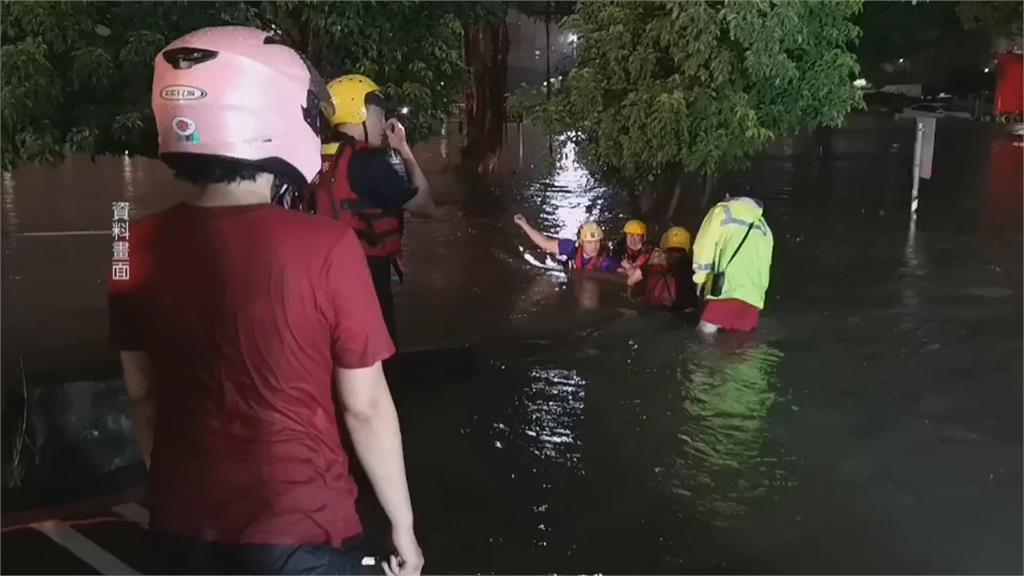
(635, 227)
(348, 93)
(591, 231)
(676, 237)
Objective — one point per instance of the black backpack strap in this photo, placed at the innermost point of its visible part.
(737, 250)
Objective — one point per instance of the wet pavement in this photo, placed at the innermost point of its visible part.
(872, 425)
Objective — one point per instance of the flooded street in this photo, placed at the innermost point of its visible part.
(872, 425)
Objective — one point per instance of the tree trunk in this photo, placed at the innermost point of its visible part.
(709, 183)
(485, 49)
(676, 193)
(823, 143)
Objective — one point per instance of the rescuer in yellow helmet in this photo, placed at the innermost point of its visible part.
(633, 249)
(359, 184)
(587, 252)
(665, 280)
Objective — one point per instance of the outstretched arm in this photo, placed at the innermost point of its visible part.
(545, 243)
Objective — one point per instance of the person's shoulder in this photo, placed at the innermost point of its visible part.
(304, 223)
(314, 236)
(143, 228)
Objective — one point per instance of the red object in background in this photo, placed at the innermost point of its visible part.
(1004, 197)
(1010, 84)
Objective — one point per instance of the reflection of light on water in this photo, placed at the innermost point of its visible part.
(444, 140)
(128, 176)
(724, 431)
(554, 411)
(915, 271)
(571, 194)
(541, 288)
(549, 263)
(10, 209)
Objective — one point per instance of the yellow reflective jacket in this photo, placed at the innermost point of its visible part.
(746, 278)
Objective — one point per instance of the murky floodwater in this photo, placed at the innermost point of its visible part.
(874, 423)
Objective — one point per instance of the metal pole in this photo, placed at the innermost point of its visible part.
(917, 165)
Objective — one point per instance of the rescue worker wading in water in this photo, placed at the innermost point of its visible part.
(358, 185)
(587, 253)
(665, 280)
(732, 260)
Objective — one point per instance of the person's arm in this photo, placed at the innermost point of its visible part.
(359, 342)
(138, 379)
(705, 246)
(614, 265)
(545, 243)
(129, 327)
(423, 202)
(635, 276)
(372, 423)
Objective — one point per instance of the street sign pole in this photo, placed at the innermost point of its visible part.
(924, 152)
(917, 165)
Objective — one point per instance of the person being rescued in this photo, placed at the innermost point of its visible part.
(587, 252)
(664, 281)
(633, 249)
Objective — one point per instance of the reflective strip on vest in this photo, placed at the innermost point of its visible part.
(729, 220)
(704, 267)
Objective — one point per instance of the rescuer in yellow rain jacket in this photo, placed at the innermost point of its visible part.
(732, 259)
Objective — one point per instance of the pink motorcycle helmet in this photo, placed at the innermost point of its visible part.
(237, 93)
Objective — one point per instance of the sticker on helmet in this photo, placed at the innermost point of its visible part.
(183, 126)
(179, 92)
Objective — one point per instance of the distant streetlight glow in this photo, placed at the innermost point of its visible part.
(987, 70)
(901, 60)
(860, 82)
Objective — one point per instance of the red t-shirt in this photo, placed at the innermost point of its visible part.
(245, 312)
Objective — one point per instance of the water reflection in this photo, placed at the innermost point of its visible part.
(127, 178)
(587, 292)
(570, 197)
(724, 466)
(444, 141)
(539, 290)
(10, 210)
(553, 406)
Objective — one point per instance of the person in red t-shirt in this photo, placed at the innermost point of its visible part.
(240, 323)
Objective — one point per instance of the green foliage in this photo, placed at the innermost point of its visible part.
(700, 86)
(78, 75)
(412, 50)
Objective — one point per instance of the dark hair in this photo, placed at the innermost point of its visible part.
(204, 169)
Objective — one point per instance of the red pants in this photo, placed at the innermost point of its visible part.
(735, 315)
